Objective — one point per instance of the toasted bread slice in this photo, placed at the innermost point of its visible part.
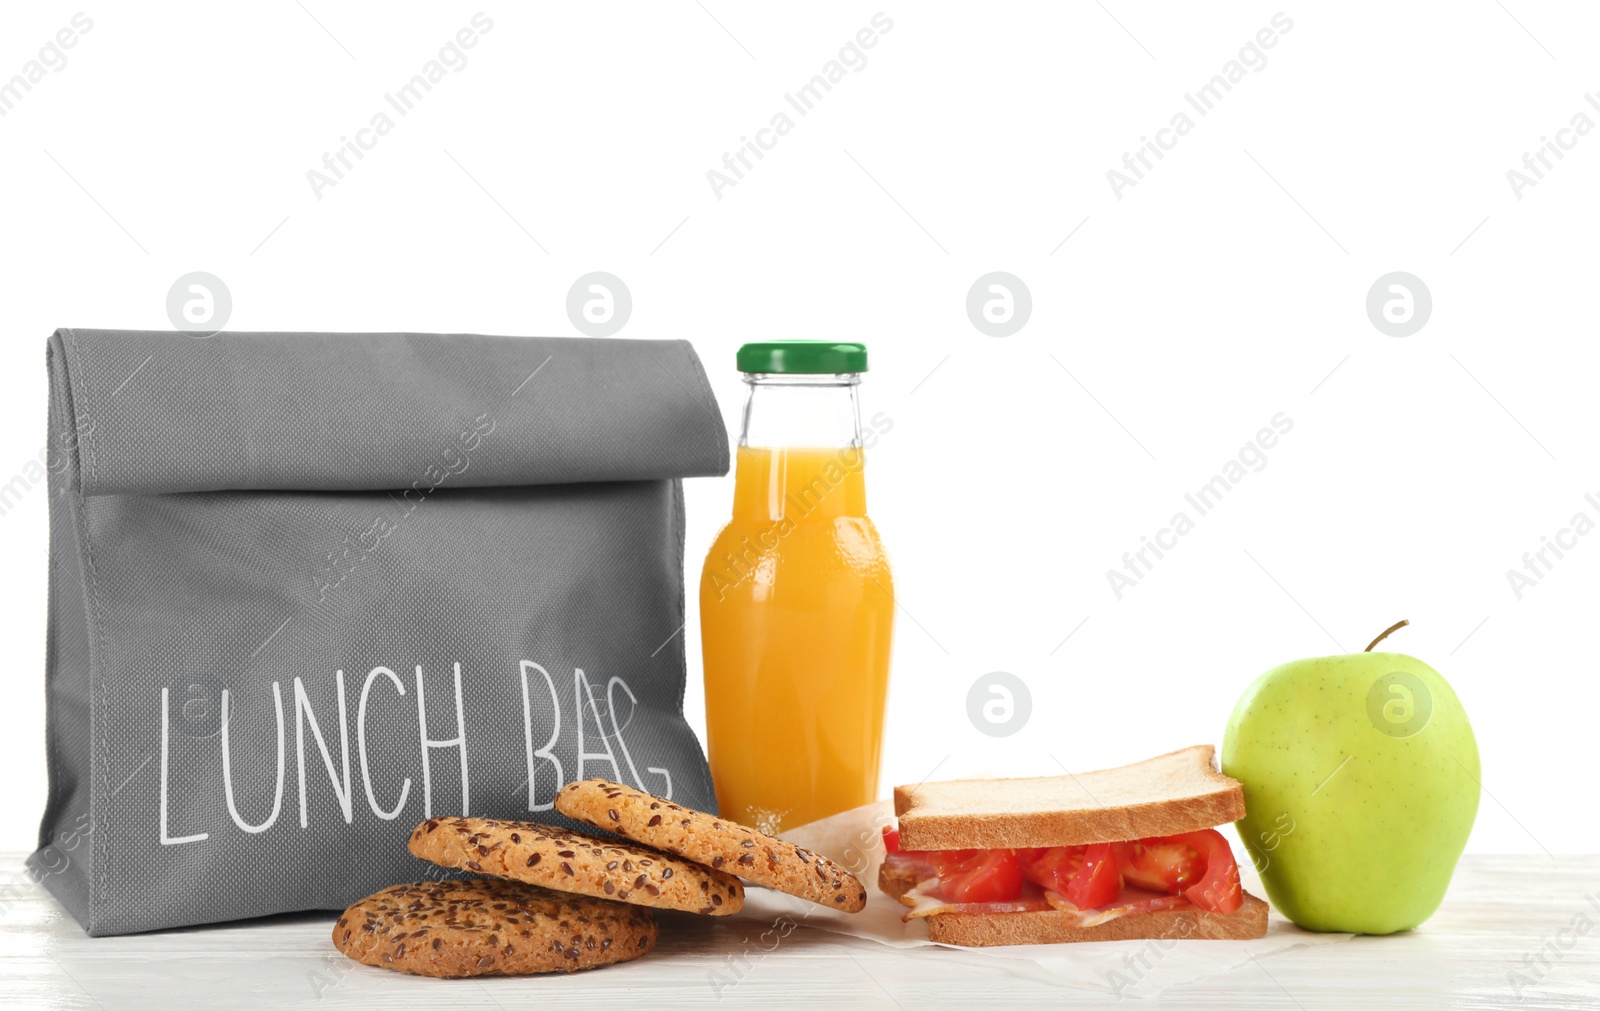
(981, 930)
(1177, 792)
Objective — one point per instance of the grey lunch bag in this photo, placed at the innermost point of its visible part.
(307, 590)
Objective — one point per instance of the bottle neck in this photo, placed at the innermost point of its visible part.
(801, 411)
(800, 451)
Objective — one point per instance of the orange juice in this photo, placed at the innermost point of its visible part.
(796, 614)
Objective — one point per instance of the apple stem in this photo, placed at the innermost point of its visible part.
(1402, 623)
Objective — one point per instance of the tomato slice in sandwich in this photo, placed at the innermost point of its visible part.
(1097, 881)
(891, 838)
(1086, 875)
(978, 875)
(1197, 865)
(1161, 865)
(1049, 867)
(1218, 890)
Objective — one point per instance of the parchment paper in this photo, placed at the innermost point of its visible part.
(854, 840)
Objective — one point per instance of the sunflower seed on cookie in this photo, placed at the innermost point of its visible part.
(490, 927)
(576, 862)
(715, 842)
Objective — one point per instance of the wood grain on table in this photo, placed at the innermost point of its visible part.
(1515, 931)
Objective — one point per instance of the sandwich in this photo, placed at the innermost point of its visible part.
(1115, 855)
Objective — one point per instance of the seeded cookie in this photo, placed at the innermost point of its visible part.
(718, 843)
(574, 862)
(490, 927)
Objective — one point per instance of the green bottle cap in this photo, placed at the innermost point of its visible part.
(803, 357)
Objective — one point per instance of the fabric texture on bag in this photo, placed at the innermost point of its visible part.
(307, 590)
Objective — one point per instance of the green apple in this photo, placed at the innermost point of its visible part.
(1361, 783)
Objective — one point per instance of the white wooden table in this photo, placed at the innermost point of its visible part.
(1504, 915)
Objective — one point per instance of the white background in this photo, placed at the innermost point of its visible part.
(1225, 287)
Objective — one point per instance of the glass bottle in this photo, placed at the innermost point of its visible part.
(796, 598)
